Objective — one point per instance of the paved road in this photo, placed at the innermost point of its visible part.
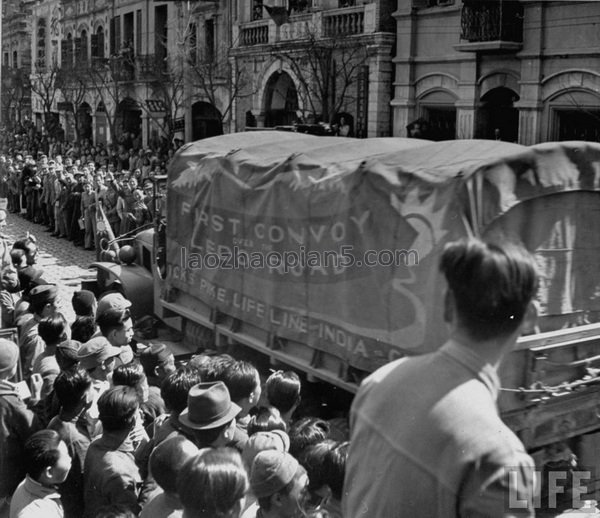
(63, 263)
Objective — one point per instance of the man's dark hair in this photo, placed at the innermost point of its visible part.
(221, 475)
(334, 469)
(83, 328)
(70, 387)
(241, 379)
(167, 460)
(117, 408)
(217, 366)
(283, 390)
(130, 375)
(52, 329)
(491, 285)
(306, 432)
(313, 460)
(175, 387)
(265, 420)
(112, 319)
(40, 451)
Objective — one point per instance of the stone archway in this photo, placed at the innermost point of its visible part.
(280, 100)
(206, 121)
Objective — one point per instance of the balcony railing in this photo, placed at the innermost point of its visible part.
(344, 22)
(150, 66)
(487, 20)
(327, 23)
(255, 33)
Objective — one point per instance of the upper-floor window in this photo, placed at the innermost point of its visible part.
(257, 9)
(433, 3)
(41, 42)
(97, 43)
(15, 60)
(82, 54)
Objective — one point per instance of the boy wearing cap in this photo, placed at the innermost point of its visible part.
(280, 485)
(17, 423)
(31, 344)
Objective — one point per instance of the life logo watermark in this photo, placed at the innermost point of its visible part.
(552, 490)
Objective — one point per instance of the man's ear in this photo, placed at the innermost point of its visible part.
(530, 320)
(448, 306)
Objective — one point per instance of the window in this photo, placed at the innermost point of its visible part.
(97, 43)
(41, 43)
(257, 9)
(434, 3)
(138, 32)
(209, 32)
(193, 48)
(115, 35)
(82, 55)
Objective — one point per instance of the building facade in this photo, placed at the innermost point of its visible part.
(16, 62)
(310, 61)
(523, 71)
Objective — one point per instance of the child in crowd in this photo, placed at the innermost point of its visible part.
(283, 392)
(140, 210)
(47, 463)
(213, 483)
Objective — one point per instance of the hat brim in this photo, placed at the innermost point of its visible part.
(93, 360)
(185, 420)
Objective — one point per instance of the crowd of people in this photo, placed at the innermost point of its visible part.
(96, 425)
(69, 188)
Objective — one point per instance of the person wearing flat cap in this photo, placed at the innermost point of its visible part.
(43, 304)
(209, 418)
(158, 362)
(17, 423)
(280, 485)
(114, 322)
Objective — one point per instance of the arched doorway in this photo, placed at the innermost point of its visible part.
(84, 122)
(280, 101)
(128, 120)
(497, 117)
(206, 121)
(574, 115)
(438, 110)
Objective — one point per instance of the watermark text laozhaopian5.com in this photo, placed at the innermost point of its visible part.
(234, 258)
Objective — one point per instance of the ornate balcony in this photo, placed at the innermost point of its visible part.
(254, 33)
(492, 25)
(327, 23)
(344, 22)
(150, 66)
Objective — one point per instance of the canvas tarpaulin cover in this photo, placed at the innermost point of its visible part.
(256, 202)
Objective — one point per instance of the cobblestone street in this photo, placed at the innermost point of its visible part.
(63, 263)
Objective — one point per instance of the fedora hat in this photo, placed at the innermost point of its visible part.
(209, 406)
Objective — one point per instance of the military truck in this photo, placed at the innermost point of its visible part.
(322, 253)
